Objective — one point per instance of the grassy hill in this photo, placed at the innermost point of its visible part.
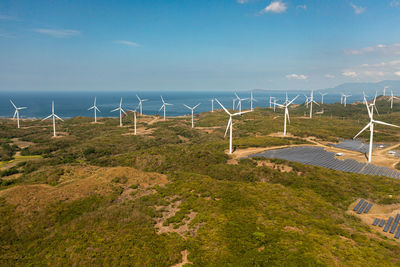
(98, 195)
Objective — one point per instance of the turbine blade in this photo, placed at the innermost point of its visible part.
(240, 113)
(162, 99)
(15, 114)
(114, 110)
(91, 108)
(196, 105)
(287, 113)
(58, 117)
(48, 117)
(385, 123)
(187, 106)
(97, 109)
(222, 106)
(363, 129)
(292, 100)
(138, 98)
(162, 107)
(227, 127)
(21, 108)
(237, 96)
(12, 103)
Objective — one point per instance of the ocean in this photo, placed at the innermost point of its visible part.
(72, 104)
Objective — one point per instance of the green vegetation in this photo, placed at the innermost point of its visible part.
(82, 199)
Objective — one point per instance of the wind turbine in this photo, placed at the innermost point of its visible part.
(120, 112)
(370, 109)
(311, 101)
(54, 117)
(240, 101)
(140, 106)
(286, 113)
(307, 101)
(322, 97)
(95, 109)
(341, 98)
(134, 119)
(270, 101)
(345, 99)
(233, 103)
(164, 106)
(192, 109)
(16, 113)
(251, 100)
(229, 126)
(384, 90)
(392, 97)
(212, 104)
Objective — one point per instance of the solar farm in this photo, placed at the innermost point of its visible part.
(317, 156)
(353, 145)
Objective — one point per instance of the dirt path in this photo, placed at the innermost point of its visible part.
(185, 260)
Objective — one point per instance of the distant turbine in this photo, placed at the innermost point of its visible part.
(306, 101)
(322, 97)
(270, 101)
(164, 106)
(345, 99)
(311, 101)
(95, 109)
(134, 118)
(229, 127)
(233, 103)
(140, 106)
(251, 101)
(341, 98)
(240, 101)
(54, 117)
(286, 113)
(212, 104)
(274, 104)
(121, 111)
(192, 109)
(16, 113)
(370, 109)
(392, 97)
(384, 90)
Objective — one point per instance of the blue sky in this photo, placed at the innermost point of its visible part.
(196, 45)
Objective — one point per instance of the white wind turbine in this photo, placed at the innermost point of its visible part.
(95, 109)
(370, 109)
(286, 113)
(134, 119)
(192, 109)
(270, 101)
(140, 106)
(392, 97)
(341, 98)
(164, 106)
(212, 104)
(384, 90)
(345, 99)
(240, 101)
(306, 101)
(233, 103)
(322, 97)
(54, 117)
(16, 113)
(229, 126)
(251, 100)
(311, 101)
(121, 112)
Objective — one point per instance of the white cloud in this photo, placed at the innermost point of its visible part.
(129, 43)
(380, 48)
(275, 7)
(329, 76)
(301, 7)
(358, 9)
(397, 73)
(395, 3)
(296, 76)
(351, 74)
(5, 17)
(242, 1)
(60, 33)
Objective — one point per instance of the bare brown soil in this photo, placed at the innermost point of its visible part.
(185, 260)
(21, 144)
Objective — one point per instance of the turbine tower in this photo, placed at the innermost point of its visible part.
(251, 101)
(164, 106)
(192, 109)
(16, 113)
(212, 104)
(311, 101)
(229, 126)
(345, 99)
(240, 102)
(286, 113)
(322, 97)
(392, 97)
(134, 118)
(384, 90)
(140, 106)
(121, 111)
(233, 103)
(95, 109)
(270, 101)
(370, 109)
(54, 117)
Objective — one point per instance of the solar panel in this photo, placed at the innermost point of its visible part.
(375, 223)
(397, 235)
(389, 222)
(396, 221)
(358, 204)
(381, 223)
(362, 207)
(368, 208)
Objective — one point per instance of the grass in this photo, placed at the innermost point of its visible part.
(246, 214)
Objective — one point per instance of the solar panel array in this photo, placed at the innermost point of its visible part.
(389, 227)
(317, 156)
(354, 145)
(362, 206)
